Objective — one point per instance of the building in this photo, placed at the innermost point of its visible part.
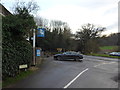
(119, 24)
(4, 11)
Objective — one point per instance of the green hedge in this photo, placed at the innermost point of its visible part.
(15, 53)
(16, 50)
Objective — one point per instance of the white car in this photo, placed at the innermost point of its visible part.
(114, 54)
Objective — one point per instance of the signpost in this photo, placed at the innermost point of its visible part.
(33, 46)
(40, 33)
(38, 52)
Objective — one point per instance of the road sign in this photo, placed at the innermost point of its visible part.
(41, 32)
(38, 52)
(23, 66)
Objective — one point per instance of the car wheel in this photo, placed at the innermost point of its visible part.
(76, 59)
(59, 58)
(80, 60)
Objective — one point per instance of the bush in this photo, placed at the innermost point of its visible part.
(15, 53)
(15, 49)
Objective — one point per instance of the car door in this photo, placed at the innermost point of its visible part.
(66, 55)
(69, 56)
(73, 55)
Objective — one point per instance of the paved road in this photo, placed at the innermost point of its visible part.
(93, 72)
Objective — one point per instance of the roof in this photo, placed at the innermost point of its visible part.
(4, 11)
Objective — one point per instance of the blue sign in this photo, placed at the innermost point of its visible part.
(38, 52)
(41, 32)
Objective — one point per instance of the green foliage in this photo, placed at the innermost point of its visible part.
(111, 40)
(56, 38)
(16, 50)
(11, 80)
(104, 55)
(109, 48)
(15, 53)
(92, 46)
(13, 27)
(86, 35)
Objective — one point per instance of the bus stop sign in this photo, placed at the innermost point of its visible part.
(41, 32)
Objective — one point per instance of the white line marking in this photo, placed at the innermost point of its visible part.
(97, 65)
(75, 78)
(103, 64)
(112, 62)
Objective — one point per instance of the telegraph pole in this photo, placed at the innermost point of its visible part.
(34, 61)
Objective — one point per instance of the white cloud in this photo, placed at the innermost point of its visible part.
(79, 12)
(77, 15)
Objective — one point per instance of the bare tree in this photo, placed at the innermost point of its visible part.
(30, 7)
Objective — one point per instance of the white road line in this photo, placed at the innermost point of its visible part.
(97, 65)
(75, 78)
(112, 62)
(103, 64)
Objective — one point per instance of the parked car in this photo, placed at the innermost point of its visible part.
(70, 55)
(114, 54)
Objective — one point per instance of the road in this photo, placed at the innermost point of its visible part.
(93, 72)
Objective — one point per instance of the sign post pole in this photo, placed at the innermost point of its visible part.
(34, 47)
(40, 33)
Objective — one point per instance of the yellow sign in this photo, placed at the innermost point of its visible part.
(23, 66)
(59, 49)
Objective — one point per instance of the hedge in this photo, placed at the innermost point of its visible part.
(16, 50)
(15, 53)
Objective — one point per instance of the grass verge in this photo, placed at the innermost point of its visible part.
(12, 80)
(104, 55)
(23, 74)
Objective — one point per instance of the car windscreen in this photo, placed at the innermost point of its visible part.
(74, 53)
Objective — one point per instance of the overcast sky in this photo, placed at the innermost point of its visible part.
(77, 12)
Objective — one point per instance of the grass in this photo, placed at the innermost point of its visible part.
(23, 74)
(109, 48)
(0, 84)
(12, 80)
(104, 55)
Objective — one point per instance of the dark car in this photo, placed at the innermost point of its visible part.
(70, 55)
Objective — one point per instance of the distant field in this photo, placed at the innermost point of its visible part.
(109, 48)
(104, 55)
(106, 49)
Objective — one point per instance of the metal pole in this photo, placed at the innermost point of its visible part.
(34, 62)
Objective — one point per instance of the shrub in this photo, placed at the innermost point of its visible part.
(15, 49)
(15, 53)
